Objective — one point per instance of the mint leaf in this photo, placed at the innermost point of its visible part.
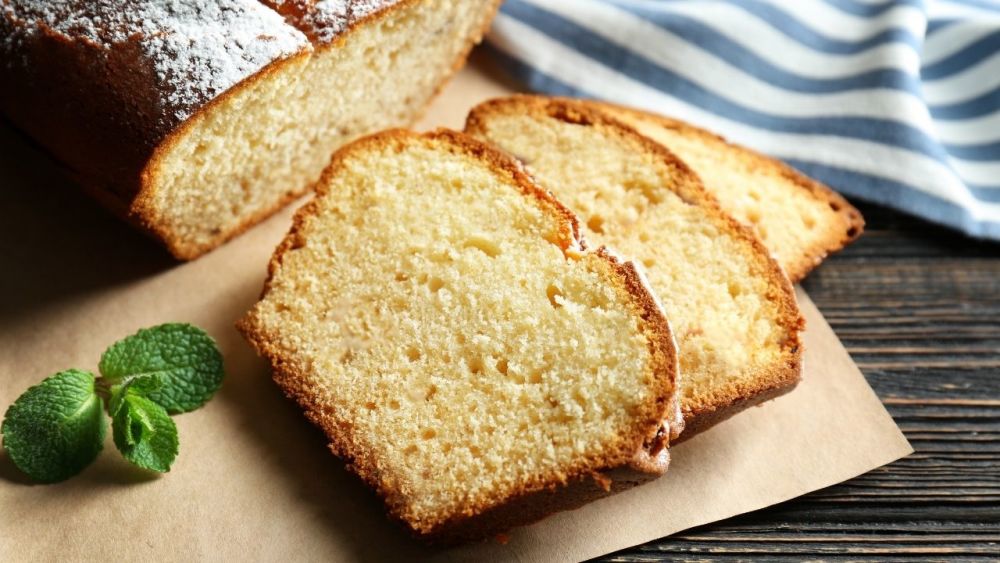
(184, 357)
(142, 384)
(143, 431)
(56, 428)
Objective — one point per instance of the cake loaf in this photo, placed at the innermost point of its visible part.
(733, 309)
(195, 119)
(438, 316)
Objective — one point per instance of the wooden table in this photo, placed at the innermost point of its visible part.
(918, 307)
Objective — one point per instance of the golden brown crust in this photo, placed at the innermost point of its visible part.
(847, 226)
(707, 418)
(782, 375)
(662, 347)
(637, 458)
(652, 312)
(531, 507)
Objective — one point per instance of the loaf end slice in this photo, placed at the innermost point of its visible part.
(732, 308)
(798, 219)
(265, 143)
(437, 315)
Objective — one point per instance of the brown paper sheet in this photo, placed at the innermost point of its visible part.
(254, 480)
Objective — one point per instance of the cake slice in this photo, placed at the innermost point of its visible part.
(732, 308)
(797, 218)
(436, 314)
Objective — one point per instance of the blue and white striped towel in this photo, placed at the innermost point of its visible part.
(896, 101)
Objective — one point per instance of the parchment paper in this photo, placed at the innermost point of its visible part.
(254, 481)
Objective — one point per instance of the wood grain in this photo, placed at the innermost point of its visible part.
(918, 307)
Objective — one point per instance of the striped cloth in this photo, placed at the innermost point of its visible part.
(892, 101)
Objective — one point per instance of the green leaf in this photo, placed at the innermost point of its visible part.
(142, 384)
(144, 433)
(56, 428)
(184, 357)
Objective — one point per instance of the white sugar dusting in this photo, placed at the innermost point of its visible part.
(362, 8)
(330, 19)
(196, 49)
(324, 20)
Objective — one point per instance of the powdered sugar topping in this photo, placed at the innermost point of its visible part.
(192, 50)
(324, 20)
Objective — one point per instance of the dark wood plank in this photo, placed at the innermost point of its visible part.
(918, 307)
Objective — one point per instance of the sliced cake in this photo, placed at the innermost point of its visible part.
(732, 308)
(798, 219)
(437, 315)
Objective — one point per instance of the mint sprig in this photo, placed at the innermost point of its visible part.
(56, 428)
